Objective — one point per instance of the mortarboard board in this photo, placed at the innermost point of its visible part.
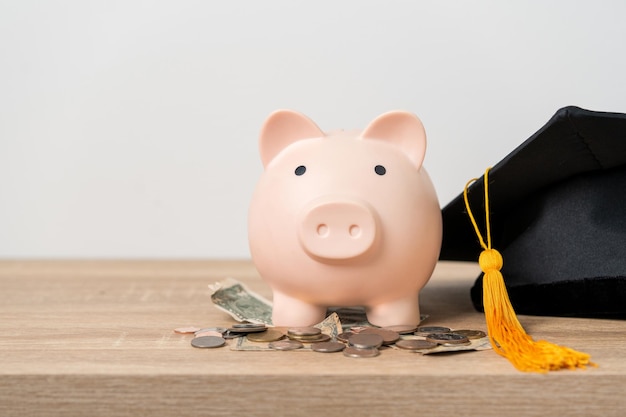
(557, 207)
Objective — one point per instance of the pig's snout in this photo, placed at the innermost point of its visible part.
(337, 229)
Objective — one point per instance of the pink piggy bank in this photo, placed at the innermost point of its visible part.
(344, 219)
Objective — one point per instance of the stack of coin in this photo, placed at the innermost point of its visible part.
(363, 345)
(307, 335)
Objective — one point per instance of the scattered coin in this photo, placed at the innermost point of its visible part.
(247, 325)
(358, 329)
(343, 337)
(328, 347)
(208, 342)
(389, 336)
(230, 335)
(208, 333)
(212, 329)
(414, 344)
(365, 340)
(353, 352)
(266, 336)
(186, 330)
(471, 334)
(286, 345)
(303, 331)
(402, 328)
(248, 329)
(447, 338)
(424, 330)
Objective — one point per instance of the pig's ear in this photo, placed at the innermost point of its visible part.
(281, 129)
(402, 129)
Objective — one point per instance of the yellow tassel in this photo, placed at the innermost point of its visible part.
(506, 334)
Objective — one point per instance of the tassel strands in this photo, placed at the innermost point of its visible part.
(508, 337)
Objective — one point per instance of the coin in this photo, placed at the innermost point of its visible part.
(328, 347)
(230, 335)
(212, 329)
(471, 334)
(353, 352)
(208, 333)
(186, 330)
(286, 345)
(389, 336)
(343, 337)
(447, 338)
(247, 325)
(414, 344)
(208, 342)
(365, 340)
(266, 336)
(304, 331)
(402, 328)
(423, 330)
(248, 329)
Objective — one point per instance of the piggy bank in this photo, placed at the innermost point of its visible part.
(346, 218)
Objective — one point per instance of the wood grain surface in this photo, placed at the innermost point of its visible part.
(96, 338)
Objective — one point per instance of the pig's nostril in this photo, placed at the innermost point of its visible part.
(355, 230)
(322, 230)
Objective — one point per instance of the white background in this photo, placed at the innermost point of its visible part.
(129, 128)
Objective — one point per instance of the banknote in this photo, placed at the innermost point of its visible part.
(234, 298)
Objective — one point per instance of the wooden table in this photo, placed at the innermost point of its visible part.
(95, 338)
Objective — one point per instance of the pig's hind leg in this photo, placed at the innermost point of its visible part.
(291, 312)
(401, 311)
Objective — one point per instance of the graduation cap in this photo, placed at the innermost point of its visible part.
(556, 210)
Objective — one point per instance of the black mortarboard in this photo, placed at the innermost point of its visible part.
(558, 217)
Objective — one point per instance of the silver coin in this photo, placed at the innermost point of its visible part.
(230, 335)
(353, 352)
(471, 334)
(389, 336)
(212, 329)
(246, 330)
(286, 345)
(423, 330)
(328, 347)
(247, 325)
(208, 342)
(365, 340)
(414, 344)
(447, 338)
(303, 331)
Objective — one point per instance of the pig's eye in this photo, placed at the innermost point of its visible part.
(380, 170)
(300, 170)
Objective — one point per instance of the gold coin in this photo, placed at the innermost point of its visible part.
(266, 336)
(303, 331)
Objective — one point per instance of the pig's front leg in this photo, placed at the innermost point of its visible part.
(291, 312)
(402, 311)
